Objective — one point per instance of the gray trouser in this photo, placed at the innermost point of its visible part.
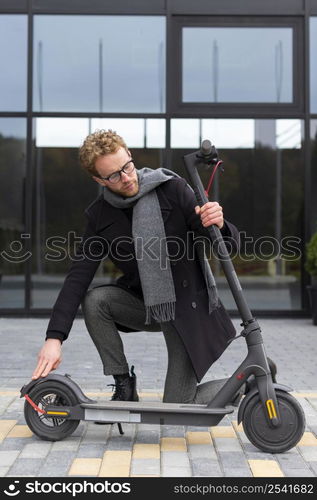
(105, 306)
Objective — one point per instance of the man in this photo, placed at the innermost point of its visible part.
(145, 221)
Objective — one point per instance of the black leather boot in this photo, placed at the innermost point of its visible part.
(124, 390)
(125, 387)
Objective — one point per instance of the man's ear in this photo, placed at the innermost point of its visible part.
(100, 181)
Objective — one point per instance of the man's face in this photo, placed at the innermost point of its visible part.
(106, 165)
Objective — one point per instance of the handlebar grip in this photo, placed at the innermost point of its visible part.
(206, 147)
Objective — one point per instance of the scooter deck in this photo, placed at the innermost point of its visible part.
(154, 412)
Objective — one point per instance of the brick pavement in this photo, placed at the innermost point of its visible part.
(151, 450)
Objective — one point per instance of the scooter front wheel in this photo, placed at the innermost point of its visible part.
(44, 394)
(274, 439)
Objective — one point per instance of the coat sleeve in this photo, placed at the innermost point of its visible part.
(91, 251)
(188, 203)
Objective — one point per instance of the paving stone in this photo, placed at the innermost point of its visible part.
(4, 471)
(223, 431)
(174, 458)
(115, 463)
(5, 402)
(173, 431)
(80, 431)
(68, 444)
(14, 443)
(202, 451)
(205, 467)
(7, 458)
(237, 472)
(96, 433)
(85, 467)
(149, 427)
(175, 471)
(243, 438)
(233, 459)
(313, 467)
(265, 468)
(252, 452)
(124, 442)
(290, 460)
(90, 450)
(36, 450)
(227, 444)
(141, 450)
(147, 436)
(309, 453)
(57, 464)
(145, 466)
(313, 428)
(173, 444)
(298, 472)
(26, 466)
(191, 428)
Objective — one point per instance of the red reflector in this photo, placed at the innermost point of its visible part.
(240, 376)
(27, 397)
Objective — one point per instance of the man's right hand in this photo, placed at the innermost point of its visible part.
(49, 358)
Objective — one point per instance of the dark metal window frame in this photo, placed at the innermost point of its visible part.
(243, 109)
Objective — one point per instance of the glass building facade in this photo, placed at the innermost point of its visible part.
(165, 75)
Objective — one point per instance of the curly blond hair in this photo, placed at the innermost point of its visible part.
(99, 143)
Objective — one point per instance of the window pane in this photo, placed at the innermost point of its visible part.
(313, 142)
(218, 65)
(262, 192)
(131, 129)
(99, 63)
(313, 64)
(185, 133)
(12, 231)
(62, 191)
(60, 132)
(137, 132)
(13, 62)
(289, 134)
(155, 133)
(227, 133)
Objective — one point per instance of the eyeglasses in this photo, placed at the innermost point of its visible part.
(128, 168)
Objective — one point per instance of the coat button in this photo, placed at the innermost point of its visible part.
(185, 283)
(194, 305)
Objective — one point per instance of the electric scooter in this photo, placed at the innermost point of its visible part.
(271, 417)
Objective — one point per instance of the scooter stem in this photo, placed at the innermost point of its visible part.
(192, 162)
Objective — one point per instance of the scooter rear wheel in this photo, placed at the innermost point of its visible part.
(50, 393)
(277, 439)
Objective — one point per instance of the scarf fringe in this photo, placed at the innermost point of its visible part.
(160, 312)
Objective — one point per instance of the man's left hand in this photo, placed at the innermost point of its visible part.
(210, 213)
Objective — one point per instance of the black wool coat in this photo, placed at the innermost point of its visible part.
(109, 233)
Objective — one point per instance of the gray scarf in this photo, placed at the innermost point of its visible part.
(149, 232)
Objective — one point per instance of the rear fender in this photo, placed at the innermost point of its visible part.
(62, 379)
